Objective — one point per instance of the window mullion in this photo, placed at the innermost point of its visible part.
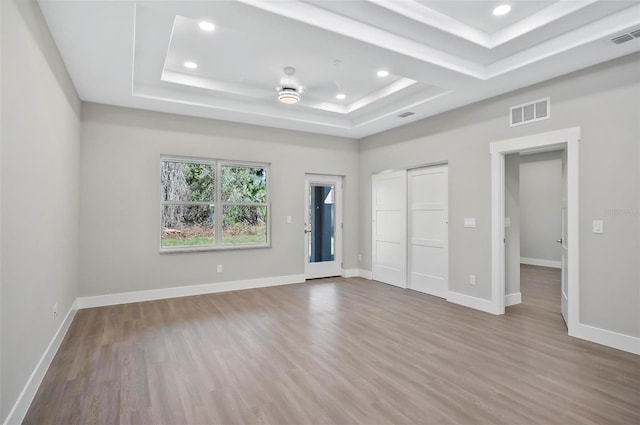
(218, 204)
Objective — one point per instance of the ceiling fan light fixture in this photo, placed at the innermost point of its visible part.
(288, 96)
(190, 65)
(502, 10)
(341, 96)
(383, 73)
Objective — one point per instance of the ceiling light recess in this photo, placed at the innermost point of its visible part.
(383, 73)
(288, 95)
(190, 65)
(502, 10)
(206, 26)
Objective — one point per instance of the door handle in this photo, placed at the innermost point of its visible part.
(307, 231)
(559, 240)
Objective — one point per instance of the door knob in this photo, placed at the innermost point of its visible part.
(559, 240)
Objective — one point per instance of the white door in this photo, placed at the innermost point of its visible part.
(564, 241)
(389, 228)
(428, 230)
(323, 226)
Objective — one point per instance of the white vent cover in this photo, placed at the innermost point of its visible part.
(530, 112)
(626, 37)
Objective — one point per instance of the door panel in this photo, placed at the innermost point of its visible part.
(564, 299)
(428, 230)
(389, 224)
(323, 226)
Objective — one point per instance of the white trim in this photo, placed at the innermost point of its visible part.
(350, 273)
(541, 262)
(365, 274)
(513, 299)
(471, 302)
(566, 138)
(21, 406)
(612, 339)
(185, 291)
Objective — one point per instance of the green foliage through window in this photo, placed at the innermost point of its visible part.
(188, 196)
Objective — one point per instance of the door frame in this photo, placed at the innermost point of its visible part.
(339, 199)
(568, 139)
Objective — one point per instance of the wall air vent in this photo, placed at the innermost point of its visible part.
(405, 114)
(635, 33)
(530, 112)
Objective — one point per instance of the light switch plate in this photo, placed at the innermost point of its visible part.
(470, 222)
(289, 220)
(507, 222)
(598, 226)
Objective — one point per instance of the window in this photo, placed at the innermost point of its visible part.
(213, 204)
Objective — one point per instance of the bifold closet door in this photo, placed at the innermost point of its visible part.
(389, 228)
(428, 230)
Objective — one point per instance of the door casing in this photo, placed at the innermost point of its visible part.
(568, 139)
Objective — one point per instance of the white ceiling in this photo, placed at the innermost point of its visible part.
(440, 55)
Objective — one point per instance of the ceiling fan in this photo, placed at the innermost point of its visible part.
(289, 91)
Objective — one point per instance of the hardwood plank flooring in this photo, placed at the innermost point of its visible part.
(335, 351)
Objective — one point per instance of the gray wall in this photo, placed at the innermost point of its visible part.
(119, 212)
(39, 178)
(512, 233)
(605, 102)
(541, 203)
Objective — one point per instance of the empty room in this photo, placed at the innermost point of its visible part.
(319, 212)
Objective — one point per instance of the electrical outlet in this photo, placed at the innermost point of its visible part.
(472, 279)
(359, 257)
(55, 311)
(219, 268)
(289, 219)
(598, 226)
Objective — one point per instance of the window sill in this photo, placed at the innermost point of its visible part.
(186, 250)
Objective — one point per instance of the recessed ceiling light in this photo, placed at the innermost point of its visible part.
(206, 26)
(383, 73)
(503, 9)
(190, 65)
(341, 96)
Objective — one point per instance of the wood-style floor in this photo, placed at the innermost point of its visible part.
(335, 351)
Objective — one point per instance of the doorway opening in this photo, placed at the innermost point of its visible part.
(323, 226)
(556, 140)
(535, 214)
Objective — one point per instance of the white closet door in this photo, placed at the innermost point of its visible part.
(428, 230)
(389, 228)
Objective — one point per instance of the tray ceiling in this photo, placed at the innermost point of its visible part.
(438, 55)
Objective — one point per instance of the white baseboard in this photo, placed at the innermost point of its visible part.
(350, 273)
(471, 302)
(513, 299)
(20, 408)
(365, 274)
(539, 262)
(185, 291)
(612, 339)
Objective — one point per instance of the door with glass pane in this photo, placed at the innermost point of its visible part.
(323, 226)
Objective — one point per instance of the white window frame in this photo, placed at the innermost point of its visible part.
(217, 203)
